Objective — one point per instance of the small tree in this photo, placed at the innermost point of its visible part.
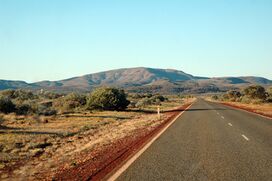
(6, 105)
(255, 92)
(107, 99)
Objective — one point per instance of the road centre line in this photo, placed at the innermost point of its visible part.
(246, 138)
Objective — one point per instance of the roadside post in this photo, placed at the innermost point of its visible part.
(159, 112)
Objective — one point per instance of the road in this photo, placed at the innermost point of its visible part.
(208, 142)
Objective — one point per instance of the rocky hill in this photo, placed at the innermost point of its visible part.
(142, 79)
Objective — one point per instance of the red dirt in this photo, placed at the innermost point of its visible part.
(247, 109)
(101, 163)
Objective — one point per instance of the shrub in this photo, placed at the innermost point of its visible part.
(160, 98)
(246, 100)
(6, 105)
(70, 101)
(107, 99)
(143, 102)
(132, 104)
(269, 91)
(50, 95)
(23, 109)
(215, 97)
(233, 95)
(45, 111)
(255, 92)
(24, 95)
(136, 96)
(157, 99)
(2, 120)
(225, 97)
(8, 93)
(269, 94)
(269, 99)
(148, 95)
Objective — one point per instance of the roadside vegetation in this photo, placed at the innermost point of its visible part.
(41, 130)
(253, 98)
(254, 94)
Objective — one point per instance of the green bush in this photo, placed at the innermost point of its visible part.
(6, 105)
(233, 95)
(143, 103)
(160, 98)
(107, 99)
(24, 95)
(45, 111)
(23, 109)
(255, 92)
(155, 100)
(269, 94)
(70, 102)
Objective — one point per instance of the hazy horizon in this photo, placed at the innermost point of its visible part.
(56, 40)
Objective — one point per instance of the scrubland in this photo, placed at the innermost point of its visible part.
(35, 144)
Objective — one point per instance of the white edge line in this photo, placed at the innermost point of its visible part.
(140, 152)
(246, 138)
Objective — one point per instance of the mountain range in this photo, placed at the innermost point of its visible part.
(142, 79)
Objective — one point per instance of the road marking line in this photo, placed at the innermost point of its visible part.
(246, 138)
(123, 168)
(222, 117)
(230, 124)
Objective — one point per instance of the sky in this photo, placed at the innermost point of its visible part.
(58, 39)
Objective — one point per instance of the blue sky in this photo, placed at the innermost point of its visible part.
(56, 39)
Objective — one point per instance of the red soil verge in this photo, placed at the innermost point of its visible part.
(101, 163)
(247, 109)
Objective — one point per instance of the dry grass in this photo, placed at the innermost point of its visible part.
(31, 145)
(264, 109)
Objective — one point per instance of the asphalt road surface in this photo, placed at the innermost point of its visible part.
(208, 142)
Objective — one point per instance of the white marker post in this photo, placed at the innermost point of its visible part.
(159, 112)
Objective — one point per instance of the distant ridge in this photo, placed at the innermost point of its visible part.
(141, 79)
